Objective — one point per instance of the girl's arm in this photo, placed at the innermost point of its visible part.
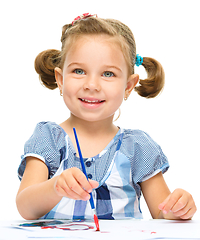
(37, 195)
(164, 204)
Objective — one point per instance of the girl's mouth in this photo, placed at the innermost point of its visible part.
(91, 103)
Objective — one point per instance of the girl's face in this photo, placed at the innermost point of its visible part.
(94, 79)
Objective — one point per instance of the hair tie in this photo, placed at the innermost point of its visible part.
(83, 16)
(138, 60)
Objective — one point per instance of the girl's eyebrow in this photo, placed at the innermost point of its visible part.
(109, 66)
(105, 66)
(74, 63)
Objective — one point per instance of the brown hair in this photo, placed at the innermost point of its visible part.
(46, 61)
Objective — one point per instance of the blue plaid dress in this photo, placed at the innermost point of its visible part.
(129, 159)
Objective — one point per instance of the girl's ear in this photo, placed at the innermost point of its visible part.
(132, 82)
(59, 77)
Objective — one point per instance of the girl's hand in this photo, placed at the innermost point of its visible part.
(72, 183)
(179, 203)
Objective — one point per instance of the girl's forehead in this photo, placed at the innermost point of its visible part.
(99, 38)
(96, 48)
(87, 43)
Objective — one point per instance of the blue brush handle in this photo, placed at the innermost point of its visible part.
(83, 166)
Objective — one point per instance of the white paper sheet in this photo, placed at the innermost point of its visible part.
(109, 230)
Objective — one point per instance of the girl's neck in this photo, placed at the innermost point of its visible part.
(91, 128)
(93, 136)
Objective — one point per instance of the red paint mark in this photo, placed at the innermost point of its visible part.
(70, 227)
(96, 222)
(147, 231)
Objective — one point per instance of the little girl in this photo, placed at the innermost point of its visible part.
(94, 72)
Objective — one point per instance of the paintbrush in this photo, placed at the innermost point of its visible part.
(84, 171)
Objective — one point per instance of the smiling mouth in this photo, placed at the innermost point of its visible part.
(91, 101)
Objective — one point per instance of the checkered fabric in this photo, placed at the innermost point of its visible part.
(129, 159)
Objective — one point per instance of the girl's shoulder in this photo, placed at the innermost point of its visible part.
(47, 136)
(136, 135)
(48, 127)
(145, 155)
(47, 132)
(47, 143)
(133, 132)
(139, 142)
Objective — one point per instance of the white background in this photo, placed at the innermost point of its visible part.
(165, 30)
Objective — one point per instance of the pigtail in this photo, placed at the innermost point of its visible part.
(45, 64)
(154, 83)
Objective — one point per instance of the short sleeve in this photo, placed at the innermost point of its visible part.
(146, 156)
(46, 143)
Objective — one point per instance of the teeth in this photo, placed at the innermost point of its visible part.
(85, 100)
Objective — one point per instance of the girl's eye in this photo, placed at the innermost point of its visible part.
(108, 74)
(79, 71)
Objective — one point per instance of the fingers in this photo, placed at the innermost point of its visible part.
(189, 214)
(94, 184)
(70, 188)
(72, 183)
(180, 203)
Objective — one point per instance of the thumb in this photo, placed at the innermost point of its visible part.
(162, 205)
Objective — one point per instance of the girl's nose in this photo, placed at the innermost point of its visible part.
(92, 84)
